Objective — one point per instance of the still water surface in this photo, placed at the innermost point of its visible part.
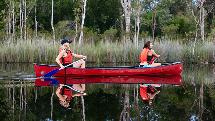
(192, 99)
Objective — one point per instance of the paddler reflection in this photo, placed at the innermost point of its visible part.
(65, 93)
(149, 91)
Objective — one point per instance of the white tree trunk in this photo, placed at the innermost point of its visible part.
(21, 19)
(154, 24)
(125, 114)
(82, 22)
(9, 21)
(14, 20)
(25, 20)
(35, 18)
(202, 20)
(137, 26)
(83, 109)
(126, 4)
(52, 21)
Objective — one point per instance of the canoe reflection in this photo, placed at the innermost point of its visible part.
(175, 80)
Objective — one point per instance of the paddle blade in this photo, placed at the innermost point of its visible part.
(51, 73)
(52, 81)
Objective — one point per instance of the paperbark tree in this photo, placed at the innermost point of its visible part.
(137, 13)
(125, 114)
(52, 21)
(126, 5)
(35, 18)
(84, 2)
(154, 15)
(21, 19)
(25, 20)
(14, 20)
(202, 19)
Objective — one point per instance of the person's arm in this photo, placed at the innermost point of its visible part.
(60, 55)
(79, 56)
(78, 94)
(58, 93)
(155, 54)
(152, 96)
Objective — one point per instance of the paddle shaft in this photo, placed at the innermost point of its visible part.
(49, 74)
(73, 89)
(72, 63)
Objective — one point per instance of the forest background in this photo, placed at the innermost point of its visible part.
(107, 30)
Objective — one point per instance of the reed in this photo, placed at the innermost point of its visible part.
(45, 51)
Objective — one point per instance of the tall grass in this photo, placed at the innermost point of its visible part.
(44, 51)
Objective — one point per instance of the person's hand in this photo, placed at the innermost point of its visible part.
(61, 85)
(158, 56)
(61, 67)
(84, 57)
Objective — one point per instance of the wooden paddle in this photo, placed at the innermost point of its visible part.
(49, 74)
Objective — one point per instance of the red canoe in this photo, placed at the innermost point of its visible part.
(174, 80)
(164, 70)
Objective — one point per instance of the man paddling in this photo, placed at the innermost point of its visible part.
(148, 55)
(65, 93)
(65, 56)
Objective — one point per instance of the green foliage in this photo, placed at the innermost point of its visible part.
(63, 30)
(102, 14)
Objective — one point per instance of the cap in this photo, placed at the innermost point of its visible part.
(64, 41)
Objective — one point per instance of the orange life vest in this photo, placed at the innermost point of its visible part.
(143, 93)
(143, 55)
(68, 58)
(67, 92)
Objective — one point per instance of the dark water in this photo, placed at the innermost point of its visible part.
(193, 99)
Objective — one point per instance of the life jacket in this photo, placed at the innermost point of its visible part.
(68, 58)
(143, 93)
(143, 55)
(145, 90)
(67, 92)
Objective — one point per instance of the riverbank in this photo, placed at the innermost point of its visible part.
(44, 51)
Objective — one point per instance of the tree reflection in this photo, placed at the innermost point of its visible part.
(125, 114)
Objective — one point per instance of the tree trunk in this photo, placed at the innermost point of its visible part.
(35, 18)
(154, 24)
(125, 114)
(14, 20)
(52, 21)
(126, 4)
(137, 11)
(52, 103)
(201, 100)
(21, 19)
(82, 22)
(83, 109)
(202, 20)
(25, 21)
(9, 21)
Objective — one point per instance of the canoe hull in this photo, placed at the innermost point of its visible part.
(173, 80)
(172, 69)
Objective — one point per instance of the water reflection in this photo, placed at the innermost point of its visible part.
(65, 93)
(194, 100)
(147, 90)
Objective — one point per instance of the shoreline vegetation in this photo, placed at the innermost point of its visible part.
(45, 51)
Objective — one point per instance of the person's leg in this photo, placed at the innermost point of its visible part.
(80, 87)
(155, 64)
(79, 64)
